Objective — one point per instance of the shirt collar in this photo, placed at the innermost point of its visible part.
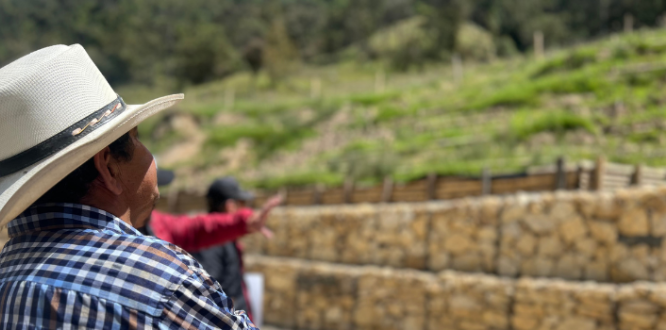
(50, 217)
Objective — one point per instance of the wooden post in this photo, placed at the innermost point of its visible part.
(458, 72)
(284, 192)
(348, 190)
(628, 23)
(432, 186)
(380, 81)
(387, 190)
(318, 194)
(579, 177)
(253, 202)
(486, 182)
(172, 200)
(538, 44)
(637, 178)
(598, 178)
(560, 175)
(315, 88)
(229, 98)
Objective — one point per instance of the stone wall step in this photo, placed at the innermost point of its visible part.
(311, 295)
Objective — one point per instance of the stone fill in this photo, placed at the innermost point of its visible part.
(607, 237)
(309, 295)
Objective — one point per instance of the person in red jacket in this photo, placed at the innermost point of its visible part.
(201, 231)
(225, 263)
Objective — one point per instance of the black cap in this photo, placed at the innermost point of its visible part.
(228, 188)
(164, 177)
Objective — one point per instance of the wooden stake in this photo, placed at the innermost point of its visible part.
(599, 170)
(380, 81)
(538, 44)
(637, 178)
(315, 88)
(229, 99)
(318, 194)
(387, 191)
(172, 200)
(628, 23)
(432, 186)
(458, 72)
(284, 192)
(348, 190)
(486, 182)
(560, 175)
(579, 177)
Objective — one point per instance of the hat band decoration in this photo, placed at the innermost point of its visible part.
(63, 139)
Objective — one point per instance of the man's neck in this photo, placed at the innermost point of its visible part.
(110, 204)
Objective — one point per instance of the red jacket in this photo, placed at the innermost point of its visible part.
(194, 233)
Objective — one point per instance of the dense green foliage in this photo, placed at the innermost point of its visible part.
(173, 43)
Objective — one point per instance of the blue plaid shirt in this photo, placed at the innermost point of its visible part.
(77, 267)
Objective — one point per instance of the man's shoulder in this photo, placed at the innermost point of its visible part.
(161, 251)
(194, 267)
(108, 265)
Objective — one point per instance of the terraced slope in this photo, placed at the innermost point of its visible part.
(320, 125)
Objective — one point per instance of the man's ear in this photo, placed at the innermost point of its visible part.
(109, 176)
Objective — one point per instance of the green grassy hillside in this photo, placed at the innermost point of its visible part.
(320, 125)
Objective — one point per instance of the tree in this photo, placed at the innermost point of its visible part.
(442, 20)
(190, 42)
(253, 54)
(203, 53)
(279, 51)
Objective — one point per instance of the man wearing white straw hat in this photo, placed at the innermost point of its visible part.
(74, 182)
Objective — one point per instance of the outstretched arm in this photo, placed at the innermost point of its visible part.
(194, 233)
(197, 232)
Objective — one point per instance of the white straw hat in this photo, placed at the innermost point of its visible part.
(56, 111)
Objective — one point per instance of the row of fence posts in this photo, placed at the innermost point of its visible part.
(595, 172)
(560, 182)
(388, 186)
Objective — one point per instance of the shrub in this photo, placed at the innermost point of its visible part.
(524, 124)
(513, 96)
(570, 62)
(578, 82)
(364, 160)
(391, 112)
(266, 139)
(475, 43)
(645, 137)
(403, 45)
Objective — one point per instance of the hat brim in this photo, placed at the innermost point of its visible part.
(19, 190)
(245, 196)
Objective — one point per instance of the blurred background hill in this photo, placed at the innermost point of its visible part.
(298, 92)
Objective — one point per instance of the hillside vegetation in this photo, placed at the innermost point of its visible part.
(324, 124)
(175, 43)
